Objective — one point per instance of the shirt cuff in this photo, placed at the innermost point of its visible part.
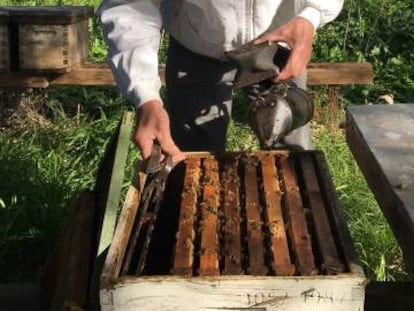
(312, 15)
(145, 92)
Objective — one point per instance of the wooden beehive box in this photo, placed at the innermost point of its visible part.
(4, 41)
(51, 38)
(257, 231)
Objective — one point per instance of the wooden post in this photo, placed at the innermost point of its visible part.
(333, 96)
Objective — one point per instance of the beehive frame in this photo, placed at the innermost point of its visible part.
(216, 281)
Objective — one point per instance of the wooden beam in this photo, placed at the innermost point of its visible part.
(19, 80)
(340, 73)
(101, 74)
(85, 74)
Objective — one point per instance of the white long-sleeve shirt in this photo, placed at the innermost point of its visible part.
(208, 27)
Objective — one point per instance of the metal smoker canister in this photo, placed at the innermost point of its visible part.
(278, 111)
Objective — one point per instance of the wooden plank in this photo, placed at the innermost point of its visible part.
(209, 257)
(46, 15)
(274, 217)
(116, 253)
(381, 138)
(91, 74)
(231, 220)
(85, 74)
(101, 74)
(318, 74)
(237, 293)
(18, 80)
(339, 73)
(255, 234)
(296, 221)
(331, 263)
(184, 248)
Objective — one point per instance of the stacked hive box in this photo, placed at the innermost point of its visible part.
(50, 38)
(257, 231)
(4, 41)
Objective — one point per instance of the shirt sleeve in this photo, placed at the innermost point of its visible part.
(321, 12)
(132, 32)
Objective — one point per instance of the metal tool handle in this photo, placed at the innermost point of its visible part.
(149, 204)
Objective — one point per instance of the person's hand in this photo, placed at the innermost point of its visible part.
(298, 34)
(153, 124)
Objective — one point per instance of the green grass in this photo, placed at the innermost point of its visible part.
(42, 168)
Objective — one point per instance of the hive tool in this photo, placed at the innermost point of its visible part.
(157, 173)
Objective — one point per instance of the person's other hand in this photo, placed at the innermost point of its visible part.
(153, 124)
(298, 34)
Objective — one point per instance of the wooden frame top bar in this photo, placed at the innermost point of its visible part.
(100, 74)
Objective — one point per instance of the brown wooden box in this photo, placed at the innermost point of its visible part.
(237, 231)
(4, 41)
(51, 38)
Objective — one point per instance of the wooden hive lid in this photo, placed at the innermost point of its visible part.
(49, 15)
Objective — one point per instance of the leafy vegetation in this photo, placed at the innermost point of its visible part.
(49, 154)
(379, 32)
